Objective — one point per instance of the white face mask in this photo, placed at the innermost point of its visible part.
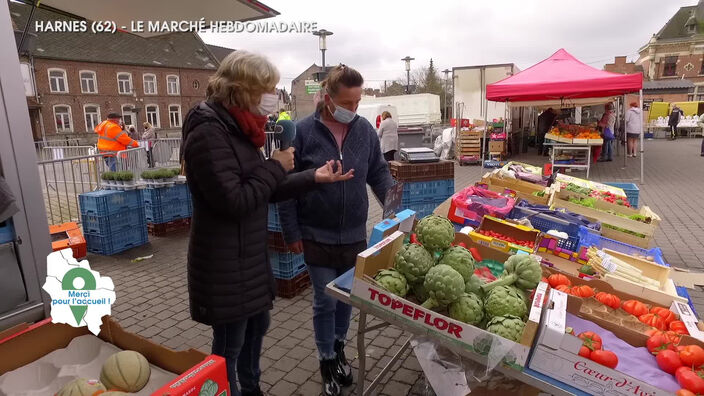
(267, 104)
(342, 115)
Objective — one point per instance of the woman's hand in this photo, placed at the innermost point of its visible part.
(326, 174)
(285, 158)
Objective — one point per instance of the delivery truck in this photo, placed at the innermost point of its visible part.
(417, 115)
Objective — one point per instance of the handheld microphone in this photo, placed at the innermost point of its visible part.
(284, 133)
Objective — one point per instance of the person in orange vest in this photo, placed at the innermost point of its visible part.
(112, 138)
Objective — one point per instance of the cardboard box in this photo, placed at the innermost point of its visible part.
(522, 189)
(28, 343)
(555, 354)
(497, 146)
(563, 178)
(580, 141)
(381, 256)
(596, 142)
(516, 231)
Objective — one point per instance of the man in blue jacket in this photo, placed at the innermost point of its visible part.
(329, 224)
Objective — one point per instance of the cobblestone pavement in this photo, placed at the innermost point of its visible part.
(152, 298)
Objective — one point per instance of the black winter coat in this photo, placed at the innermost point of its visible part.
(229, 276)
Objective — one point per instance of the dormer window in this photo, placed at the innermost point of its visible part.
(691, 25)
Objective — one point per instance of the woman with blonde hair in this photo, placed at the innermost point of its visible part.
(230, 282)
(149, 135)
(388, 135)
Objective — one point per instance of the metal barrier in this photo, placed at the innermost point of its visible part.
(134, 160)
(270, 145)
(165, 152)
(61, 152)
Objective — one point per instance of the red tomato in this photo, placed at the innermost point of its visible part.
(563, 288)
(582, 291)
(590, 340)
(585, 352)
(689, 380)
(609, 300)
(668, 361)
(558, 279)
(634, 307)
(673, 337)
(667, 315)
(475, 254)
(606, 358)
(659, 342)
(692, 355)
(685, 392)
(678, 327)
(653, 320)
(680, 370)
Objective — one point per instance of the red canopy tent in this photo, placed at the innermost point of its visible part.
(562, 77)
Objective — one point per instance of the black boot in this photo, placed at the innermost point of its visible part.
(328, 368)
(343, 374)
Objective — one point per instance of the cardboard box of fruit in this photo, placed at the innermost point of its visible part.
(439, 289)
(505, 236)
(522, 189)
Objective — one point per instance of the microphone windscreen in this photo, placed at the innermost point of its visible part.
(285, 133)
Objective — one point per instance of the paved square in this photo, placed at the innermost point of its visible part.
(152, 296)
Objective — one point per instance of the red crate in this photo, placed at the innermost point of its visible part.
(162, 229)
(292, 287)
(276, 242)
(68, 235)
(407, 172)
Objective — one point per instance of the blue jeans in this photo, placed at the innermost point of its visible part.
(240, 343)
(331, 317)
(111, 163)
(607, 152)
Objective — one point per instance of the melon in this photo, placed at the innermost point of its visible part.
(113, 393)
(126, 371)
(81, 387)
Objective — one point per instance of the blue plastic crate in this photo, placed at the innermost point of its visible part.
(587, 239)
(544, 222)
(107, 202)
(422, 209)
(273, 222)
(437, 189)
(7, 231)
(110, 224)
(159, 196)
(117, 242)
(169, 211)
(286, 265)
(631, 190)
(682, 292)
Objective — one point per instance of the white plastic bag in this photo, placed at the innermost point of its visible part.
(448, 143)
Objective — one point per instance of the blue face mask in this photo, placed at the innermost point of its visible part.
(342, 115)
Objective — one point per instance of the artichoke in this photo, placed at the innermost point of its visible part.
(413, 261)
(522, 271)
(435, 233)
(393, 281)
(468, 309)
(460, 259)
(419, 291)
(482, 344)
(509, 327)
(444, 286)
(505, 300)
(474, 285)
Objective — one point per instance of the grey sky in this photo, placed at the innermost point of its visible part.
(373, 36)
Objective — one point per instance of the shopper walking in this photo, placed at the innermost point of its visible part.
(388, 135)
(149, 135)
(634, 127)
(329, 224)
(230, 283)
(112, 138)
(674, 120)
(607, 122)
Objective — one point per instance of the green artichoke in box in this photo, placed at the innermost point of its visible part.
(522, 271)
(418, 290)
(435, 233)
(393, 281)
(413, 261)
(460, 259)
(505, 300)
(509, 327)
(474, 285)
(444, 286)
(468, 309)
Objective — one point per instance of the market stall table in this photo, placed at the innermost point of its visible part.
(558, 146)
(333, 289)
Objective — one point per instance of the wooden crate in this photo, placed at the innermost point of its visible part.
(469, 143)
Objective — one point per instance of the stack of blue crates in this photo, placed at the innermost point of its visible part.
(424, 196)
(113, 221)
(166, 204)
(286, 265)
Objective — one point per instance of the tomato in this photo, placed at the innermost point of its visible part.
(689, 380)
(668, 361)
(653, 320)
(634, 307)
(671, 336)
(563, 288)
(590, 340)
(678, 327)
(582, 291)
(667, 315)
(680, 370)
(606, 358)
(692, 355)
(685, 392)
(558, 279)
(609, 300)
(585, 352)
(414, 239)
(659, 342)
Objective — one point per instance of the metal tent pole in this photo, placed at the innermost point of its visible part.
(642, 149)
(625, 138)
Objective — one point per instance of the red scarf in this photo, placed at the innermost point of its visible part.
(251, 124)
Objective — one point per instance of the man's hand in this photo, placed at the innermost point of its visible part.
(285, 158)
(326, 174)
(296, 247)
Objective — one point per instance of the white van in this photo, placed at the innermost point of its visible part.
(372, 112)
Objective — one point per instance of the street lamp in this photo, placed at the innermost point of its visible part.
(322, 35)
(408, 60)
(447, 72)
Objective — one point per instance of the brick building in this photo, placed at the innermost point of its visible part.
(74, 80)
(621, 65)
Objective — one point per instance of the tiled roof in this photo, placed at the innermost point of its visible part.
(181, 50)
(675, 27)
(667, 84)
(219, 52)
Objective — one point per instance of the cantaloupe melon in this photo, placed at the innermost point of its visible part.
(113, 393)
(126, 371)
(81, 387)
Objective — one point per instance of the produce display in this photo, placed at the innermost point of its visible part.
(126, 371)
(497, 235)
(605, 264)
(435, 233)
(81, 387)
(684, 362)
(602, 195)
(575, 131)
